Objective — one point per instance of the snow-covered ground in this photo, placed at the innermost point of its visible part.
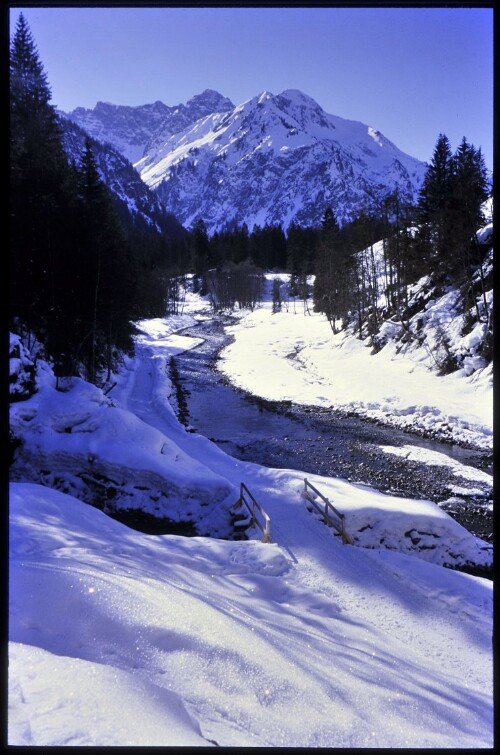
(121, 638)
(290, 355)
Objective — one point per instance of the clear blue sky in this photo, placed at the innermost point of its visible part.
(412, 73)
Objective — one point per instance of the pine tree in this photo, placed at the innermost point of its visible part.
(200, 255)
(326, 292)
(434, 205)
(469, 192)
(74, 276)
(300, 245)
(106, 270)
(40, 190)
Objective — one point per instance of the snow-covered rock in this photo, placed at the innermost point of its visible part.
(21, 369)
(275, 159)
(133, 129)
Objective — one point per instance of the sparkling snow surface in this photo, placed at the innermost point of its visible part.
(121, 638)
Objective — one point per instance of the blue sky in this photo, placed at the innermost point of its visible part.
(412, 73)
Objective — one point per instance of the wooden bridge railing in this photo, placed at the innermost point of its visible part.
(257, 513)
(337, 521)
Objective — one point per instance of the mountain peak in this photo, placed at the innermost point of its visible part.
(298, 97)
(211, 99)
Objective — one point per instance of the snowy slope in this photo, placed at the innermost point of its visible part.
(275, 159)
(307, 364)
(132, 198)
(127, 451)
(118, 638)
(132, 129)
(85, 443)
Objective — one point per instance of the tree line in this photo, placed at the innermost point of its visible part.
(436, 237)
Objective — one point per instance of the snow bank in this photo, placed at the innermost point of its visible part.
(118, 638)
(21, 370)
(83, 442)
(302, 642)
(287, 356)
(66, 701)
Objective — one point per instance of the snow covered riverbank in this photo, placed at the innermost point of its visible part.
(295, 357)
(300, 642)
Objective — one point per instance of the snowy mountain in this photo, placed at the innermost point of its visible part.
(132, 129)
(134, 201)
(273, 159)
(276, 160)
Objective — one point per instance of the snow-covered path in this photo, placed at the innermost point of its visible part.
(307, 541)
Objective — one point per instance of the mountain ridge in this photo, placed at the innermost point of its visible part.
(130, 127)
(273, 159)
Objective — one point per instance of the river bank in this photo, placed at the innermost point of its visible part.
(326, 441)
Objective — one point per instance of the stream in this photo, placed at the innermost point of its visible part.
(320, 440)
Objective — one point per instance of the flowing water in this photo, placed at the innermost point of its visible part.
(321, 441)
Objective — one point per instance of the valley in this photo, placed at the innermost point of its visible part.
(250, 428)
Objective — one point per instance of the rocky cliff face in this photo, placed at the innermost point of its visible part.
(132, 130)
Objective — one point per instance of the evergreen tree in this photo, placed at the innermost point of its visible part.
(40, 188)
(327, 291)
(241, 244)
(107, 272)
(267, 247)
(469, 192)
(76, 281)
(200, 255)
(300, 245)
(434, 206)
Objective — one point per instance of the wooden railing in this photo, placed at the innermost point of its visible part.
(337, 523)
(257, 514)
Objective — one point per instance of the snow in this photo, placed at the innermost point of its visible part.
(437, 459)
(269, 142)
(291, 356)
(118, 638)
(122, 638)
